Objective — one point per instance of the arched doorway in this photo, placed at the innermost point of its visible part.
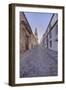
(27, 42)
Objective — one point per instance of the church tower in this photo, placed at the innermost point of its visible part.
(36, 34)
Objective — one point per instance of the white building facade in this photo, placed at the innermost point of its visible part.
(50, 37)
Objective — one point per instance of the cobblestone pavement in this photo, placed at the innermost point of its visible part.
(37, 62)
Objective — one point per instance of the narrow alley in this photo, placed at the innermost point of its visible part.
(38, 62)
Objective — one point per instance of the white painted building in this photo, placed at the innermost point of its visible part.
(50, 37)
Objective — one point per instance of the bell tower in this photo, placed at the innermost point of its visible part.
(36, 34)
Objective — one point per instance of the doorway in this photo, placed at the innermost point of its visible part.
(27, 42)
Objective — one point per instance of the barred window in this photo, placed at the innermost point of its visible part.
(50, 43)
(50, 34)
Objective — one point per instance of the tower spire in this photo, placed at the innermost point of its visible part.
(36, 33)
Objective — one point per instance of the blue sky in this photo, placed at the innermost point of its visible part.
(39, 21)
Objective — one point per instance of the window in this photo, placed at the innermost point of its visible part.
(50, 43)
(56, 40)
(47, 41)
(50, 34)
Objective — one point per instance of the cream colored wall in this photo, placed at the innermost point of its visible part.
(22, 40)
(32, 41)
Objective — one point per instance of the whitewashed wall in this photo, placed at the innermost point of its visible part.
(54, 43)
(53, 35)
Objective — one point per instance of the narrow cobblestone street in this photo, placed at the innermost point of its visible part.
(37, 62)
